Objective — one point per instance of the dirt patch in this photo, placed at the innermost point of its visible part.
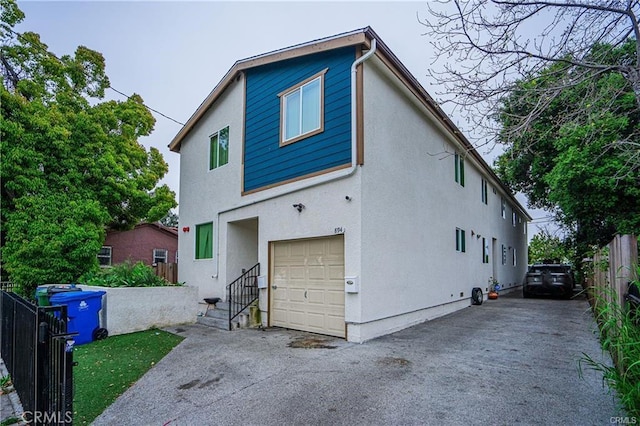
(311, 343)
(391, 361)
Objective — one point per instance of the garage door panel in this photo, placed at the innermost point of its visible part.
(310, 287)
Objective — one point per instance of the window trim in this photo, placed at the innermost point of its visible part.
(105, 257)
(282, 95)
(196, 241)
(166, 255)
(503, 207)
(217, 134)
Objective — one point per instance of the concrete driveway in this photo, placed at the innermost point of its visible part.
(508, 361)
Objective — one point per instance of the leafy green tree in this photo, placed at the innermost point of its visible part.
(546, 248)
(567, 161)
(71, 166)
(170, 220)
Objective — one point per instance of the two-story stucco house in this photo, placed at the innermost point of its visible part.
(329, 165)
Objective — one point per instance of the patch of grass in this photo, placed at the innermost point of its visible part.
(107, 368)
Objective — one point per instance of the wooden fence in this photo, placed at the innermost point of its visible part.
(168, 271)
(613, 268)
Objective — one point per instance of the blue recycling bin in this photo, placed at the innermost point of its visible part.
(82, 313)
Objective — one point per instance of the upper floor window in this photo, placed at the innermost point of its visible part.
(514, 259)
(514, 218)
(104, 256)
(460, 240)
(204, 241)
(160, 255)
(459, 169)
(483, 189)
(302, 109)
(504, 208)
(219, 148)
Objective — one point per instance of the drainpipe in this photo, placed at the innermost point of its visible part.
(339, 175)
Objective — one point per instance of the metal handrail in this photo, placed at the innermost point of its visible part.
(243, 292)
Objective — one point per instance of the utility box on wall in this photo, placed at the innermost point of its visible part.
(352, 284)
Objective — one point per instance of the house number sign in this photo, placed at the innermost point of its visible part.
(338, 230)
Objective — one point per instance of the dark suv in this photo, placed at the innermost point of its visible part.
(548, 280)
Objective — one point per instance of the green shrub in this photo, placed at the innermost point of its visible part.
(126, 274)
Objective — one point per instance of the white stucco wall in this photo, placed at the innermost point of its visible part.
(140, 308)
(411, 207)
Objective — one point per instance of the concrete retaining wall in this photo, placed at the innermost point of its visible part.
(139, 308)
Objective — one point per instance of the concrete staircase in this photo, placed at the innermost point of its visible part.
(219, 318)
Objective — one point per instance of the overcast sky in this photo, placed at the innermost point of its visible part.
(174, 53)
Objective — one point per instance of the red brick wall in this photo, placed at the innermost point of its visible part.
(138, 244)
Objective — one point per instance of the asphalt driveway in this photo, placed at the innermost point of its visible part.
(508, 361)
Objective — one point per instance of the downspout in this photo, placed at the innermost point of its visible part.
(341, 175)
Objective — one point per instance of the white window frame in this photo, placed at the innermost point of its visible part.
(101, 256)
(504, 207)
(298, 88)
(217, 147)
(156, 256)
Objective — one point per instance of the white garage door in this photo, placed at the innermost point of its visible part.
(307, 285)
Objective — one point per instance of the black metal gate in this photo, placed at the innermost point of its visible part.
(38, 353)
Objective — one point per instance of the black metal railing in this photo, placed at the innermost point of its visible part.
(38, 353)
(243, 292)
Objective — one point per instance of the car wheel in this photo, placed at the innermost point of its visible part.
(526, 295)
(476, 296)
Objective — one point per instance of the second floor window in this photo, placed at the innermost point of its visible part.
(483, 188)
(219, 148)
(459, 169)
(301, 109)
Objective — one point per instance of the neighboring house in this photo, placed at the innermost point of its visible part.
(324, 176)
(150, 243)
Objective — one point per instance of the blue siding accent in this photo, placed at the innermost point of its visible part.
(265, 162)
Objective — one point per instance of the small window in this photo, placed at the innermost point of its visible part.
(504, 254)
(160, 255)
(504, 208)
(483, 189)
(460, 240)
(459, 169)
(104, 256)
(204, 241)
(514, 218)
(176, 256)
(514, 260)
(219, 148)
(485, 251)
(302, 110)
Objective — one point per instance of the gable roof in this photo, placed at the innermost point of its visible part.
(363, 38)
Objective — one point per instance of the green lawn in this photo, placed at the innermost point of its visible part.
(107, 368)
